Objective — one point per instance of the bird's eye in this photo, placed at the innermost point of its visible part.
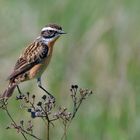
(50, 31)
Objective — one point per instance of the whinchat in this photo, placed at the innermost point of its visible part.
(34, 59)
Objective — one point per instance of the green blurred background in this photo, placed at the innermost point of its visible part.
(101, 52)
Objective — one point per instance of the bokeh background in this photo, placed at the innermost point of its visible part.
(101, 52)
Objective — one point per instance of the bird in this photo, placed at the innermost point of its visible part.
(34, 60)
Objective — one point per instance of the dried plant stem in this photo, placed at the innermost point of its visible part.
(48, 123)
(76, 107)
(9, 115)
(65, 130)
(44, 109)
(30, 134)
(48, 130)
(22, 131)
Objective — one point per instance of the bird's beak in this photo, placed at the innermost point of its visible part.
(62, 32)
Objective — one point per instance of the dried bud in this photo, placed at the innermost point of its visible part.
(69, 113)
(33, 114)
(72, 86)
(64, 109)
(71, 89)
(29, 110)
(37, 110)
(76, 86)
(8, 127)
(22, 122)
(28, 93)
(27, 101)
(30, 126)
(28, 129)
(20, 97)
(81, 91)
(33, 96)
(52, 100)
(90, 92)
(44, 97)
(39, 103)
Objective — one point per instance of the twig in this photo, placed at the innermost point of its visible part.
(44, 110)
(76, 107)
(48, 122)
(5, 108)
(22, 130)
(30, 134)
(48, 130)
(65, 130)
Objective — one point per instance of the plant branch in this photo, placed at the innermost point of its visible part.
(21, 130)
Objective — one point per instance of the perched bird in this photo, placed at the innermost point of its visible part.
(34, 59)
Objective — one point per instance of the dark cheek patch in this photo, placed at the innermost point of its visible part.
(44, 34)
(48, 34)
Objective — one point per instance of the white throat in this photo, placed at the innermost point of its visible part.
(46, 40)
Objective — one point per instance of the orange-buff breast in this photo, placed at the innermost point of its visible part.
(38, 69)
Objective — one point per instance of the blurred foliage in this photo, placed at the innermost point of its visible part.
(100, 51)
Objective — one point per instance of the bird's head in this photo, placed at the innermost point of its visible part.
(51, 32)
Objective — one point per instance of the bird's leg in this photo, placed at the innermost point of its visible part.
(40, 86)
(21, 95)
(19, 91)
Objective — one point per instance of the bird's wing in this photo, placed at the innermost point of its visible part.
(33, 55)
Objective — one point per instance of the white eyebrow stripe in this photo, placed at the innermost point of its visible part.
(49, 28)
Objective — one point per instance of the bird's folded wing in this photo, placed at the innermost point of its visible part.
(33, 55)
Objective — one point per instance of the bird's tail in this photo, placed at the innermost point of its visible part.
(9, 91)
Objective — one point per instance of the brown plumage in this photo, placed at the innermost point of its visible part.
(35, 58)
